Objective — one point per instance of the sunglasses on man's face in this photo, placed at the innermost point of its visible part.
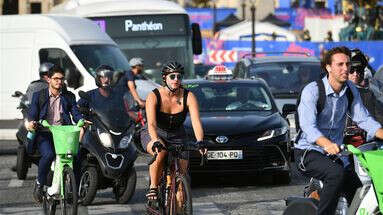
(174, 76)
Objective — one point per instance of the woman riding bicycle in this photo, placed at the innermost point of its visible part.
(166, 110)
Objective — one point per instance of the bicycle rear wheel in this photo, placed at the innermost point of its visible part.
(69, 202)
(181, 200)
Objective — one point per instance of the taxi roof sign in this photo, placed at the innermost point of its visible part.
(220, 72)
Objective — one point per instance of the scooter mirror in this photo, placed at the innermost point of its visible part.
(84, 95)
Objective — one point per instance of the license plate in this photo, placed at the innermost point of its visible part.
(225, 155)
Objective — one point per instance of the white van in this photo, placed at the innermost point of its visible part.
(76, 44)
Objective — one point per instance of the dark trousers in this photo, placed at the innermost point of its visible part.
(46, 148)
(47, 151)
(335, 177)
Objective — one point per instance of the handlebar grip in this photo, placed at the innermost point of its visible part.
(153, 159)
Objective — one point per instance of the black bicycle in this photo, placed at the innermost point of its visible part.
(173, 184)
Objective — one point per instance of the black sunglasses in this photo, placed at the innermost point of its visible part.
(355, 69)
(174, 76)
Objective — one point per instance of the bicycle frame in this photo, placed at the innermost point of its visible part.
(60, 163)
(168, 179)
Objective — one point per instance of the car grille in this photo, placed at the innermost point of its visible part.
(255, 158)
(114, 161)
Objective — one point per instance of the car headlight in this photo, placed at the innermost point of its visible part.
(273, 133)
(124, 143)
(105, 138)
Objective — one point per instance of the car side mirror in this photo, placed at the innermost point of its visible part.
(288, 109)
(73, 78)
(196, 39)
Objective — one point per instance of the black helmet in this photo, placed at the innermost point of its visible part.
(103, 71)
(358, 60)
(44, 68)
(172, 67)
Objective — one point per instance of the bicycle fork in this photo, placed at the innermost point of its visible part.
(57, 186)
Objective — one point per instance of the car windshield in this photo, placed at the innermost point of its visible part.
(286, 77)
(229, 96)
(92, 56)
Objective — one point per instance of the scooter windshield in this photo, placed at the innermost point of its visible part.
(112, 112)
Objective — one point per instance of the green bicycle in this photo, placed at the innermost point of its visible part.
(63, 190)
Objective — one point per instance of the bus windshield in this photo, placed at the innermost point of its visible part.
(157, 39)
(92, 56)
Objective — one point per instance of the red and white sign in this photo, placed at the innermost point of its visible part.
(223, 56)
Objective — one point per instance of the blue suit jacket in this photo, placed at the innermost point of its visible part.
(68, 104)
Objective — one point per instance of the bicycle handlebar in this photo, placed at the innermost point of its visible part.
(177, 148)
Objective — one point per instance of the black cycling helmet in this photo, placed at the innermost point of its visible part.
(44, 68)
(104, 71)
(171, 68)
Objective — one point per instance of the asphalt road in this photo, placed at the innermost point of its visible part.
(211, 195)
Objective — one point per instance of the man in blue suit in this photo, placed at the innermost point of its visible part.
(56, 106)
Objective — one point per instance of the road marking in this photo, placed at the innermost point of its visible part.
(15, 183)
(208, 208)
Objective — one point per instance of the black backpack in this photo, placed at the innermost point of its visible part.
(320, 103)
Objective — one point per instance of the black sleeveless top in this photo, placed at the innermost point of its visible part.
(167, 121)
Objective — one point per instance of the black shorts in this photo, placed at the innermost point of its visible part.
(169, 137)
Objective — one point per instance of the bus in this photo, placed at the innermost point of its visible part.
(157, 31)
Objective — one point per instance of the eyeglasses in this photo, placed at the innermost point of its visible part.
(174, 76)
(58, 79)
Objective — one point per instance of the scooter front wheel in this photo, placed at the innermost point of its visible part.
(88, 185)
(125, 189)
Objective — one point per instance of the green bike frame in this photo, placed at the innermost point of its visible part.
(66, 143)
(372, 162)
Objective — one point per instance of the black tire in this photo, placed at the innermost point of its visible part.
(182, 184)
(49, 206)
(69, 203)
(301, 207)
(88, 185)
(282, 178)
(21, 163)
(125, 189)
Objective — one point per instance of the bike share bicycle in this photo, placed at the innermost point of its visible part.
(64, 189)
(368, 199)
(173, 184)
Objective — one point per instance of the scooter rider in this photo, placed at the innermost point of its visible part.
(103, 94)
(56, 106)
(41, 83)
(322, 134)
(359, 64)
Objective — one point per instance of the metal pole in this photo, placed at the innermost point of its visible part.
(214, 17)
(243, 10)
(252, 29)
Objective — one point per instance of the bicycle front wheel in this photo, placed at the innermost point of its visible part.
(69, 200)
(182, 203)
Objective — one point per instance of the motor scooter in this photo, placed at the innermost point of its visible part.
(107, 151)
(26, 154)
(367, 200)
